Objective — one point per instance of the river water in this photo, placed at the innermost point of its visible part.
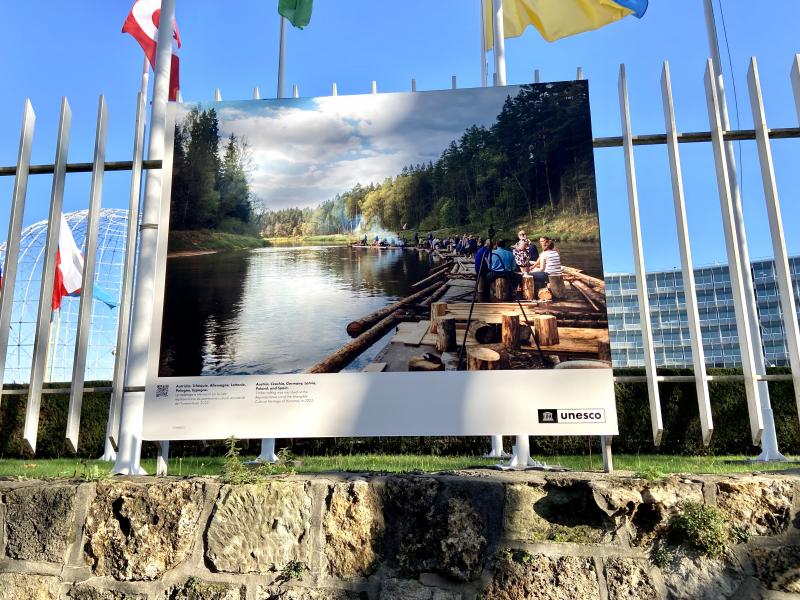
(283, 309)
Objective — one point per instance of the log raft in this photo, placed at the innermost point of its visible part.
(358, 327)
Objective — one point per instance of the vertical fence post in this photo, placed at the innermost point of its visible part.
(782, 274)
(656, 421)
(769, 444)
(11, 263)
(123, 333)
(130, 442)
(733, 245)
(687, 267)
(87, 292)
(41, 343)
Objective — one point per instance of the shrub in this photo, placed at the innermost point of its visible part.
(702, 528)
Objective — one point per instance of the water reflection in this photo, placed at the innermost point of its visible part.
(275, 310)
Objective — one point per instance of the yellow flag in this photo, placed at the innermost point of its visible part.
(555, 19)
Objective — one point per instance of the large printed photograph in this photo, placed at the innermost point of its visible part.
(429, 231)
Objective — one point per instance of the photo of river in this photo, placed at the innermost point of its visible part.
(276, 310)
(244, 314)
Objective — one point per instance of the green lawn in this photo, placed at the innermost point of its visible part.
(646, 465)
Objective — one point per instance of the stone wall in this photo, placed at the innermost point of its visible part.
(465, 535)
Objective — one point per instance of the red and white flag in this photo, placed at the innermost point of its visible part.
(69, 266)
(142, 23)
(68, 280)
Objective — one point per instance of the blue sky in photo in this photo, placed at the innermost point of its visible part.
(75, 49)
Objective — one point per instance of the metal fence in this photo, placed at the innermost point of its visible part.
(719, 135)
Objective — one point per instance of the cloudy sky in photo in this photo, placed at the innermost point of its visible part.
(305, 151)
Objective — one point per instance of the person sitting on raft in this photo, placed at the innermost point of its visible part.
(533, 251)
(472, 246)
(503, 265)
(482, 256)
(549, 262)
(521, 255)
(364, 240)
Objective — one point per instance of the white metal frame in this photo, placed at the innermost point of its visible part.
(656, 420)
(687, 267)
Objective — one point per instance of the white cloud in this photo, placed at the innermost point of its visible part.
(305, 151)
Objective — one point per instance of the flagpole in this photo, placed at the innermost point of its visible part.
(131, 419)
(484, 65)
(145, 76)
(769, 441)
(281, 56)
(499, 43)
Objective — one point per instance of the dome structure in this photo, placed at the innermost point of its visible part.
(113, 224)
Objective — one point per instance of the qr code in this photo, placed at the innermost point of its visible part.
(162, 391)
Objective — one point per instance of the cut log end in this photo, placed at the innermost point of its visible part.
(446, 334)
(482, 359)
(510, 331)
(546, 328)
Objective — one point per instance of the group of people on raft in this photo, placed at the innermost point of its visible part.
(495, 260)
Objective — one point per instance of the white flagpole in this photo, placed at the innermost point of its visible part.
(281, 56)
(145, 76)
(769, 441)
(130, 438)
(499, 43)
(484, 65)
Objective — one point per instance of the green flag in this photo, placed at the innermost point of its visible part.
(297, 11)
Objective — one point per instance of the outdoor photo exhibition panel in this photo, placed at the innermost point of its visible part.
(348, 190)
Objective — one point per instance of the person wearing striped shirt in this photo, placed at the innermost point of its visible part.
(548, 263)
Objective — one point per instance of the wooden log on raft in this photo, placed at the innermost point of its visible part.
(593, 282)
(446, 334)
(482, 332)
(528, 287)
(349, 352)
(546, 330)
(436, 295)
(435, 273)
(545, 295)
(480, 358)
(555, 284)
(438, 309)
(418, 363)
(483, 289)
(510, 331)
(356, 328)
(597, 300)
(501, 289)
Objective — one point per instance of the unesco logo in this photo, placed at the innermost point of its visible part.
(572, 415)
(548, 415)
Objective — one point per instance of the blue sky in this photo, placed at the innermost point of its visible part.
(76, 50)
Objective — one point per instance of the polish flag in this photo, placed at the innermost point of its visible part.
(68, 280)
(142, 23)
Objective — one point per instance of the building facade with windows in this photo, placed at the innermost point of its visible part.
(717, 317)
